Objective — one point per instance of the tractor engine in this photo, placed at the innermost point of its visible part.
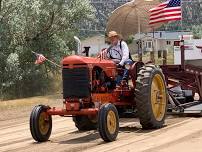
(101, 83)
(83, 76)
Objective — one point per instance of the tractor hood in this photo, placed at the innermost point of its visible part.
(74, 61)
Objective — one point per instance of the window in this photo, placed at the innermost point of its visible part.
(148, 44)
(168, 42)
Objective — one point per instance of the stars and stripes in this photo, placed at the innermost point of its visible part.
(164, 12)
(39, 58)
(103, 54)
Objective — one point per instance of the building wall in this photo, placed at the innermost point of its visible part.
(164, 45)
(158, 45)
(96, 43)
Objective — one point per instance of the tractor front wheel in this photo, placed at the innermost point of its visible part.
(108, 122)
(151, 97)
(40, 123)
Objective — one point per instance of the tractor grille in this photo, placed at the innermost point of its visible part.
(76, 83)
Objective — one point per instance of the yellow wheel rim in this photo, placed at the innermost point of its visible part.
(111, 122)
(158, 97)
(44, 124)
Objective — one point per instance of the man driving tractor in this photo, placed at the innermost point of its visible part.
(119, 53)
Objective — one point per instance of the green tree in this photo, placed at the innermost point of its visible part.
(44, 26)
(197, 31)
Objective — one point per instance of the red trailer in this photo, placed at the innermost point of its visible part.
(184, 81)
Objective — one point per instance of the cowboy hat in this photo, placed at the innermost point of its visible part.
(113, 34)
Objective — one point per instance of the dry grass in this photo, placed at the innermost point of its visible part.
(25, 102)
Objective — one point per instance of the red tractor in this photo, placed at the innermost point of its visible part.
(95, 101)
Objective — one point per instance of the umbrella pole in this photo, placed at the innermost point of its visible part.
(152, 57)
(139, 43)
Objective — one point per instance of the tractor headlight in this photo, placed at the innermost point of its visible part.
(127, 66)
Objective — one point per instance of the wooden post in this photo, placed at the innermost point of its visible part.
(140, 57)
(152, 53)
(139, 51)
(182, 53)
(159, 54)
(164, 57)
(152, 57)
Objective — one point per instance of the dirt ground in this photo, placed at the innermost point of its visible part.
(179, 134)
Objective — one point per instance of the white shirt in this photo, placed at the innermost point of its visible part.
(117, 54)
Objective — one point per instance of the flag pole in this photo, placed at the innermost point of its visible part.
(181, 16)
(50, 61)
(54, 63)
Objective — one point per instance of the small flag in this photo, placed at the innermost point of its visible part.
(39, 58)
(167, 11)
(103, 54)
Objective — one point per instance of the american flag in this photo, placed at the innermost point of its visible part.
(39, 58)
(103, 54)
(164, 12)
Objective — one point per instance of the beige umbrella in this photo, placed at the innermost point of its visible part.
(132, 17)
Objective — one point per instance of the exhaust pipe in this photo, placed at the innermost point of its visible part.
(78, 45)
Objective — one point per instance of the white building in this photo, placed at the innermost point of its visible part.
(159, 40)
(96, 43)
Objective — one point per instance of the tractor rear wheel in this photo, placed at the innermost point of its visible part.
(84, 123)
(40, 123)
(151, 97)
(108, 122)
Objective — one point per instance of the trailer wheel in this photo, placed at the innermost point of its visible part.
(151, 97)
(108, 122)
(40, 123)
(84, 123)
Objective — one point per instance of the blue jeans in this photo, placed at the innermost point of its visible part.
(125, 76)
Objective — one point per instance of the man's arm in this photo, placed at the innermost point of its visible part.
(125, 51)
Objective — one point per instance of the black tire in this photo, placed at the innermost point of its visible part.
(39, 122)
(84, 123)
(120, 111)
(144, 101)
(106, 112)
